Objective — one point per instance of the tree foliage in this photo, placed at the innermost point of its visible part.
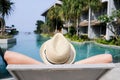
(5, 7)
(112, 21)
(5, 10)
(94, 4)
(39, 24)
(54, 17)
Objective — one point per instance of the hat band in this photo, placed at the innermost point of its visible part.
(52, 62)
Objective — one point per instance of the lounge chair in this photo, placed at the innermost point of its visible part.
(113, 74)
(59, 72)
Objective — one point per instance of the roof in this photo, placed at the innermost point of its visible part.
(58, 2)
(104, 0)
(85, 23)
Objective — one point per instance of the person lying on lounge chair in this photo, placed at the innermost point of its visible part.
(57, 50)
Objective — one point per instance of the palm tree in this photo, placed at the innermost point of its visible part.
(66, 7)
(5, 9)
(93, 5)
(76, 10)
(71, 11)
(38, 24)
(2, 22)
(54, 15)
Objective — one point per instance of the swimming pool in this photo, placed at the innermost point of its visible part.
(88, 49)
(29, 44)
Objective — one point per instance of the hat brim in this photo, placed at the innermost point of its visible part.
(43, 56)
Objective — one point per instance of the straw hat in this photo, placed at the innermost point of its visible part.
(57, 50)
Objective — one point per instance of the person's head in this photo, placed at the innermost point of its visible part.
(57, 50)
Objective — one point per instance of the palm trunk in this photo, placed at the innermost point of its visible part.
(2, 26)
(77, 21)
(89, 26)
(68, 22)
(56, 26)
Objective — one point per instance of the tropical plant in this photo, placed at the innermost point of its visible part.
(5, 10)
(72, 31)
(38, 24)
(76, 11)
(54, 17)
(105, 18)
(45, 28)
(65, 8)
(116, 14)
(71, 11)
(112, 21)
(93, 5)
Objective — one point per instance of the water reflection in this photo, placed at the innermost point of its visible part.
(7, 46)
(29, 45)
(40, 40)
(90, 49)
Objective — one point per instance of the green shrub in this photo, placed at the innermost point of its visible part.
(84, 37)
(67, 35)
(110, 42)
(5, 36)
(118, 42)
(75, 38)
(46, 34)
(45, 28)
(72, 30)
(103, 41)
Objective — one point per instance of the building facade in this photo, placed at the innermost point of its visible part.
(95, 29)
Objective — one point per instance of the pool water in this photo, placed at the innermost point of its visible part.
(30, 43)
(89, 49)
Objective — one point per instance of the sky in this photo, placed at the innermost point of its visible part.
(25, 13)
